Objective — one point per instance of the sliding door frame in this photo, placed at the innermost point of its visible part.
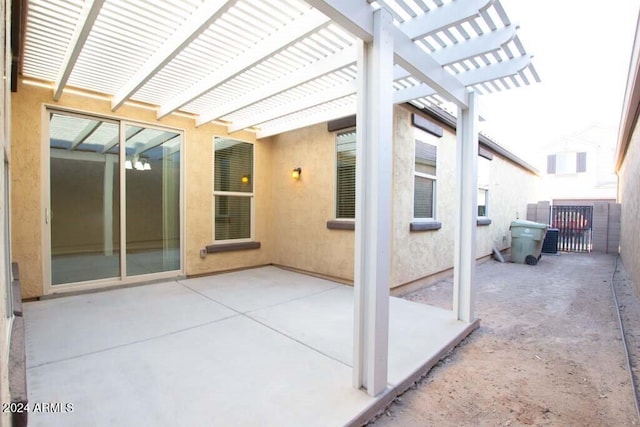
(45, 219)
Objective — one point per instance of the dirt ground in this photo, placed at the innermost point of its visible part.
(548, 350)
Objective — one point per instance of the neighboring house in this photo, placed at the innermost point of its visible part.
(144, 150)
(628, 169)
(579, 168)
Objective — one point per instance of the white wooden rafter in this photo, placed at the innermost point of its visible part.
(340, 91)
(357, 18)
(477, 46)
(88, 16)
(288, 35)
(444, 17)
(441, 48)
(335, 62)
(199, 21)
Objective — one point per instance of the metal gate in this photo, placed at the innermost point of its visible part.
(574, 227)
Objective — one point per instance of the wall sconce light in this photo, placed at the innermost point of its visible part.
(245, 179)
(147, 166)
(295, 174)
(128, 165)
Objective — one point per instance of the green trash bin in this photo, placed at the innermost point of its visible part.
(526, 241)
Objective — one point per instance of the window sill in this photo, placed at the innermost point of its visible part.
(483, 220)
(341, 224)
(230, 247)
(425, 226)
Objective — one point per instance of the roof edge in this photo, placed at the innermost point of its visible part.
(631, 103)
(450, 120)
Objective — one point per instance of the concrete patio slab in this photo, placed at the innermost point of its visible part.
(258, 347)
(67, 327)
(325, 322)
(257, 288)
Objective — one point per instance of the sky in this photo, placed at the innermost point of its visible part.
(582, 50)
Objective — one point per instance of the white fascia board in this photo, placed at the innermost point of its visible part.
(304, 75)
(313, 119)
(474, 47)
(88, 16)
(331, 94)
(199, 21)
(444, 17)
(496, 71)
(286, 36)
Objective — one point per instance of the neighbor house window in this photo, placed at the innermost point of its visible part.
(346, 175)
(233, 189)
(484, 178)
(425, 176)
(567, 162)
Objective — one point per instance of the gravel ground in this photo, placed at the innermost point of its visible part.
(548, 351)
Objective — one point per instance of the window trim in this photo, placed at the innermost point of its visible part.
(335, 175)
(484, 219)
(251, 195)
(434, 217)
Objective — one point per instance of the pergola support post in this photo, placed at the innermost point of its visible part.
(464, 267)
(374, 154)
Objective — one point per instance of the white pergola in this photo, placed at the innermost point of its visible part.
(278, 65)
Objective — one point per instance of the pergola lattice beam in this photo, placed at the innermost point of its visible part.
(304, 75)
(88, 16)
(308, 120)
(496, 71)
(444, 17)
(199, 21)
(486, 43)
(337, 92)
(357, 18)
(288, 35)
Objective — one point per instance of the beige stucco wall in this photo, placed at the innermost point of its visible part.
(5, 321)
(27, 209)
(511, 189)
(420, 254)
(302, 208)
(629, 197)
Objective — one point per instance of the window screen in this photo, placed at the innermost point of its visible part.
(233, 189)
(424, 188)
(346, 175)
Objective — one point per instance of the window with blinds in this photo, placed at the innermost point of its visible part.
(232, 189)
(484, 178)
(425, 176)
(346, 175)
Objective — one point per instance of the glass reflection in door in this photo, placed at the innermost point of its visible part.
(84, 208)
(152, 200)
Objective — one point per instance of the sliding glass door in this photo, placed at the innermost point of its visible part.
(153, 200)
(112, 214)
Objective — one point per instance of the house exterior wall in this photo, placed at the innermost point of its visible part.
(629, 198)
(27, 181)
(290, 215)
(302, 208)
(6, 314)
